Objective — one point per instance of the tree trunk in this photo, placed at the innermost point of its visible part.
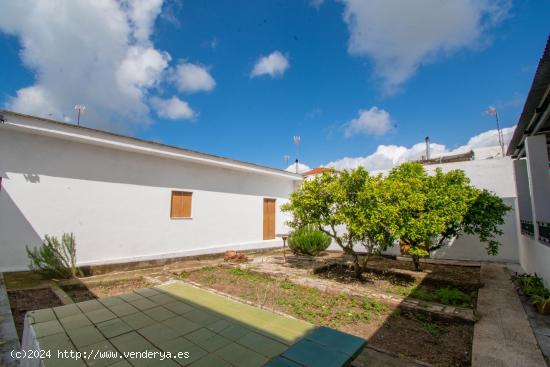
(357, 267)
(416, 262)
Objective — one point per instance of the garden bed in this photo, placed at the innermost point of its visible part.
(22, 301)
(84, 291)
(413, 334)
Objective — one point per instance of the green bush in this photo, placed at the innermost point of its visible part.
(54, 259)
(308, 241)
(452, 296)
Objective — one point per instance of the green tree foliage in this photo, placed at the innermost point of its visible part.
(423, 211)
(308, 240)
(55, 259)
(434, 209)
(345, 206)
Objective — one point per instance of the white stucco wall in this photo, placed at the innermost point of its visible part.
(117, 203)
(495, 175)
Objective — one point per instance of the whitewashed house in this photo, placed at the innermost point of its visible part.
(127, 199)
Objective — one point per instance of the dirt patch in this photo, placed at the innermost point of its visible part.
(85, 291)
(23, 279)
(28, 300)
(416, 335)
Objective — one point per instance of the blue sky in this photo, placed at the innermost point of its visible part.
(182, 73)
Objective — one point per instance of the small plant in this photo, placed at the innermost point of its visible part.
(184, 275)
(373, 305)
(533, 287)
(452, 296)
(423, 294)
(55, 259)
(308, 241)
(542, 303)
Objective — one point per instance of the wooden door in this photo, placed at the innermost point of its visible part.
(269, 219)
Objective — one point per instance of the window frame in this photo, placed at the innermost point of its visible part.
(185, 193)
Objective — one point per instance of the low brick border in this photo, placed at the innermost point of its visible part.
(8, 335)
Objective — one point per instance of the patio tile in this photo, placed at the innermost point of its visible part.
(159, 313)
(199, 336)
(131, 297)
(265, 346)
(201, 317)
(281, 362)
(85, 336)
(147, 292)
(138, 320)
(100, 315)
(162, 298)
(113, 327)
(75, 321)
(91, 305)
(133, 342)
(211, 360)
(219, 325)
(41, 315)
(92, 354)
(144, 304)
(310, 354)
(241, 356)
(214, 343)
(123, 309)
(337, 340)
(179, 307)
(111, 301)
(157, 333)
(122, 363)
(181, 325)
(55, 342)
(234, 332)
(67, 310)
(47, 328)
(180, 346)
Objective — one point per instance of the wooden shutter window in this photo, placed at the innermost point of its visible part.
(181, 204)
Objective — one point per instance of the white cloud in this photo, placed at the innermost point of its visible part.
(275, 64)
(172, 108)
(193, 78)
(373, 121)
(96, 53)
(400, 36)
(387, 156)
(301, 168)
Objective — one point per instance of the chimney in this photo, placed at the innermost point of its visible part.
(427, 140)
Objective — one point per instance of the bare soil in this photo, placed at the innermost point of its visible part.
(22, 301)
(416, 335)
(85, 291)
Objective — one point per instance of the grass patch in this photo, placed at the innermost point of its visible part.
(23, 279)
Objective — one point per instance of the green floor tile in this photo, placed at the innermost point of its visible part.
(56, 342)
(240, 356)
(281, 362)
(111, 301)
(157, 333)
(113, 327)
(85, 336)
(47, 328)
(123, 309)
(138, 320)
(130, 297)
(143, 304)
(179, 307)
(147, 292)
(337, 340)
(219, 325)
(100, 315)
(75, 321)
(133, 342)
(122, 363)
(97, 355)
(67, 310)
(211, 361)
(159, 313)
(265, 346)
(91, 305)
(41, 315)
(234, 332)
(162, 299)
(214, 343)
(200, 335)
(181, 325)
(310, 354)
(201, 317)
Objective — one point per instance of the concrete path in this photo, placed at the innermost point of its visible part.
(8, 336)
(502, 336)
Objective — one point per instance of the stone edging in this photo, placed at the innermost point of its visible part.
(8, 335)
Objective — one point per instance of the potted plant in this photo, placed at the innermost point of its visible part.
(542, 303)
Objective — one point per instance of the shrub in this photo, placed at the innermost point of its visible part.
(533, 287)
(308, 241)
(452, 296)
(54, 259)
